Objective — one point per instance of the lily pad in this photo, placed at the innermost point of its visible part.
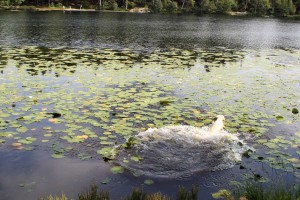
(117, 170)
(295, 111)
(57, 156)
(148, 182)
(106, 181)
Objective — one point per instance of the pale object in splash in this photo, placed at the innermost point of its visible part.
(218, 125)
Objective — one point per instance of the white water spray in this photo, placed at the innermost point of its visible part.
(179, 151)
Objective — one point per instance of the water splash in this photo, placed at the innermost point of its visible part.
(180, 151)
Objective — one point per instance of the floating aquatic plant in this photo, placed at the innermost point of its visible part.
(96, 99)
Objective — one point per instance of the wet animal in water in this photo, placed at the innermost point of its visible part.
(218, 125)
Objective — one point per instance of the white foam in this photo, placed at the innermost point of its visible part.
(174, 151)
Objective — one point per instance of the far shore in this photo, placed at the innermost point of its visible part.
(64, 9)
(134, 10)
(69, 9)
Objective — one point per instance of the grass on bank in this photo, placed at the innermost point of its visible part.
(137, 194)
(249, 191)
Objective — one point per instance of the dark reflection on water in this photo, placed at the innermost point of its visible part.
(146, 31)
(42, 60)
(31, 175)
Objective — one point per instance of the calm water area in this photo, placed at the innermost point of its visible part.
(75, 84)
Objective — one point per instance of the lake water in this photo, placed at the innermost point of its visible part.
(75, 84)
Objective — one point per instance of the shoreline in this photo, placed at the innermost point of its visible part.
(134, 10)
(65, 9)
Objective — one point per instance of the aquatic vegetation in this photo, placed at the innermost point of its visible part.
(94, 193)
(83, 103)
(63, 197)
(246, 191)
(184, 194)
(148, 182)
(117, 169)
(254, 191)
(223, 194)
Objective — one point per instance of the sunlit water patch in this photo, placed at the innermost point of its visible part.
(180, 151)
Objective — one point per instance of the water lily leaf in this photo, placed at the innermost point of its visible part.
(295, 111)
(279, 118)
(57, 156)
(271, 145)
(4, 115)
(27, 140)
(22, 129)
(106, 181)
(222, 194)
(297, 134)
(105, 151)
(106, 143)
(148, 182)
(7, 134)
(83, 156)
(293, 160)
(136, 174)
(135, 158)
(117, 169)
(82, 136)
(29, 148)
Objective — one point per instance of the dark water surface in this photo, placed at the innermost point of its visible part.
(75, 83)
(123, 30)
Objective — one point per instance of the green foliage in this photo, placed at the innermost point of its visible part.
(114, 6)
(157, 6)
(94, 194)
(136, 194)
(208, 6)
(63, 197)
(131, 5)
(217, 6)
(171, 6)
(255, 191)
(189, 5)
(224, 6)
(297, 6)
(184, 194)
(247, 191)
(4, 2)
(259, 7)
(226, 194)
(110, 5)
(284, 8)
(11, 2)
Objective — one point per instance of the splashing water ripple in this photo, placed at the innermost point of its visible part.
(179, 151)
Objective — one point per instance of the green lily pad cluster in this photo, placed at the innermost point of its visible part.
(281, 152)
(83, 103)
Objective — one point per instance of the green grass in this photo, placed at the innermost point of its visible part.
(94, 194)
(255, 191)
(62, 197)
(137, 194)
(248, 191)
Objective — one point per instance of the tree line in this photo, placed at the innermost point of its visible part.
(279, 8)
